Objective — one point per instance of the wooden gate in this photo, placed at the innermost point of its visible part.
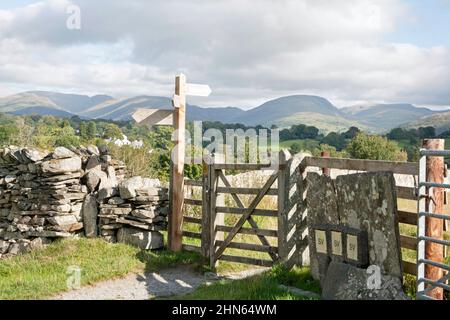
(235, 225)
(219, 243)
(286, 242)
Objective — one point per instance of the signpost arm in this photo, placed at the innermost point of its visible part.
(177, 196)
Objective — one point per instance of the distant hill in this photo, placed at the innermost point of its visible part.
(71, 103)
(299, 109)
(283, 112)
(440, 121)
(386, 116)
(123, 109)
(43, 111)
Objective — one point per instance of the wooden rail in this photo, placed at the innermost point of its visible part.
(241, 167)
(256, 212)
(222, 236)
(256, 232)
(193, 202)
(408, 168)
(193, 183)
(192, 220)
(407, 193)
(249, 247)
(245, 260)
(247, 191)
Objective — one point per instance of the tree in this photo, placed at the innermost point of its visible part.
(84, 131)
(295, 148)
(332, 150)
(300, 131)
(112, 131)
(375, 148)
(92, 130)
(427, 132)
(351, 133)
(336, 140)
(8, 134)
(66, 123)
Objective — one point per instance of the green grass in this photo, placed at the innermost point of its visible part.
(260, 287)
(43, 274)
(305, 144)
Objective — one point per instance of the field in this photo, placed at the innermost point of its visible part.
(305, 144)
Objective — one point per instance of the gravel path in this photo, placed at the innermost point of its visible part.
(177, 281)
(140, 286)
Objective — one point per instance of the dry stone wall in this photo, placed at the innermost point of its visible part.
(74, 192)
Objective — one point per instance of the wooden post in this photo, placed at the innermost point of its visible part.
(215, 218)
(179, 122)
(434, 204)
(325, 171)
(206, 209)
(283, 207)
(212, 215)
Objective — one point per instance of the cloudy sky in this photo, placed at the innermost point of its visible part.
(349, 51)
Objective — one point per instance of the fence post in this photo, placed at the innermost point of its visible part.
(325, 171)
(175, 230)
(206, 209)
(215, 217)
(283, 206)
(435, 204)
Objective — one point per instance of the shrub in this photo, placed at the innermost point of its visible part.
(375, 148)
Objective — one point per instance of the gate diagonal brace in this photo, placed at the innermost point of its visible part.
(252, 222)
(246, 215)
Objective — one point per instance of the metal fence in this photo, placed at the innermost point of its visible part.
(432, 274)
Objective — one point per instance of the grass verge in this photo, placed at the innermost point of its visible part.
(44, 273)
(260, 287)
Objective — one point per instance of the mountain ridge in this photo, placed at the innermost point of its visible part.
(282, 112)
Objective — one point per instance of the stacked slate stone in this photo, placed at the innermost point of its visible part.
(41, 197)
(44, 196)
(136, 208)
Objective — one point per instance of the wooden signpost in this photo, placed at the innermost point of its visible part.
(182, 89)
(154, 117)
(177, 118)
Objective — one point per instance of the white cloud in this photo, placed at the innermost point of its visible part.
(248, 51)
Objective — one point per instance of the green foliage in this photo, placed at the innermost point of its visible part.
(306, 145)
(50, 133)
(351, 133)
(295, 148)
(375, 148)
(332, 150)
(300, 131)
(413, 135)
(91, 130)
(112, 131)
(8, 134)
(336, 140)
(84, 131)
